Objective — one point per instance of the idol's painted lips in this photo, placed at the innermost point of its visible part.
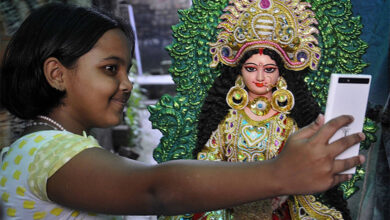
(259, 84)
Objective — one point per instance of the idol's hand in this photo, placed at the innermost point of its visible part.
(309, 161)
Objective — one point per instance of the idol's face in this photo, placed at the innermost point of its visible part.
(260, 74)
(98, 87)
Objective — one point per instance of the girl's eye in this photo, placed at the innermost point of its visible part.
(250, 68)
(111, 68)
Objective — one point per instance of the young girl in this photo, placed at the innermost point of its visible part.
(65, 69)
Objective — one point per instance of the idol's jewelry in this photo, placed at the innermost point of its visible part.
(237, 97)
(282, 99)
(286, 27)
(58, 125)
(259, 106)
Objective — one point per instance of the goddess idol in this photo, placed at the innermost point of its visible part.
(263, 50)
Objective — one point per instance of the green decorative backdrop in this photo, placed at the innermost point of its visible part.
(176, 117)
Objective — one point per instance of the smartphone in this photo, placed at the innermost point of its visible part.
(348, 95)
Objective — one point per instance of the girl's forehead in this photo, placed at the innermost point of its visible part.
(113, 43)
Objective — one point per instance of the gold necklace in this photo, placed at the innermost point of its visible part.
(259, 106)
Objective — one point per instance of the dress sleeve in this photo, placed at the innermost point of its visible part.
(292, 126)
(52, 156)
(214, 148)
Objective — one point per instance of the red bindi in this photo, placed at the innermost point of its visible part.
(261, 51)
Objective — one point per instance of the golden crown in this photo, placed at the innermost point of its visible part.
(285, 26)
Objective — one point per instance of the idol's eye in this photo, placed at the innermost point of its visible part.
(250, 68)
(270, 69)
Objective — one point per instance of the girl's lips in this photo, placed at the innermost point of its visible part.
(122, 99)
(119, 101)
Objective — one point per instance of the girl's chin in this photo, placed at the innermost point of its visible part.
(114, 121)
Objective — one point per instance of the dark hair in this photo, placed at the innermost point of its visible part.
(305, 110)
(65, 32)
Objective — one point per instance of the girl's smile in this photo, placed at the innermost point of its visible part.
(121, 99)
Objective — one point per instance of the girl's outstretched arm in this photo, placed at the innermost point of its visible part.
(96, 180)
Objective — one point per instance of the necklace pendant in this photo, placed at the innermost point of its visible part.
(260, 106)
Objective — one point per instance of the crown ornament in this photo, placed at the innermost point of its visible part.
(285, 26)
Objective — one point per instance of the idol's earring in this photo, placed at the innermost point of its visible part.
(237, 97)
(282, 99)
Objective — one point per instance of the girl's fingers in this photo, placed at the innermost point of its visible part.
(345, 164)
(339, 178)
(344, 143)
(328, 130)
(310, 129)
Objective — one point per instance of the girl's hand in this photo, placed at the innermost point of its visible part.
(309, 160)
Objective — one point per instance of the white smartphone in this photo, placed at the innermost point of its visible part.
(348, 95)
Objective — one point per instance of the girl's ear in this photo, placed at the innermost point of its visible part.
(52, 69)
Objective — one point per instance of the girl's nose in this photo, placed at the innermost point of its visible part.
(126, 85)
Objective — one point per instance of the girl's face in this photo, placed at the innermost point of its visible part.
(260, 74)
(98, 88)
